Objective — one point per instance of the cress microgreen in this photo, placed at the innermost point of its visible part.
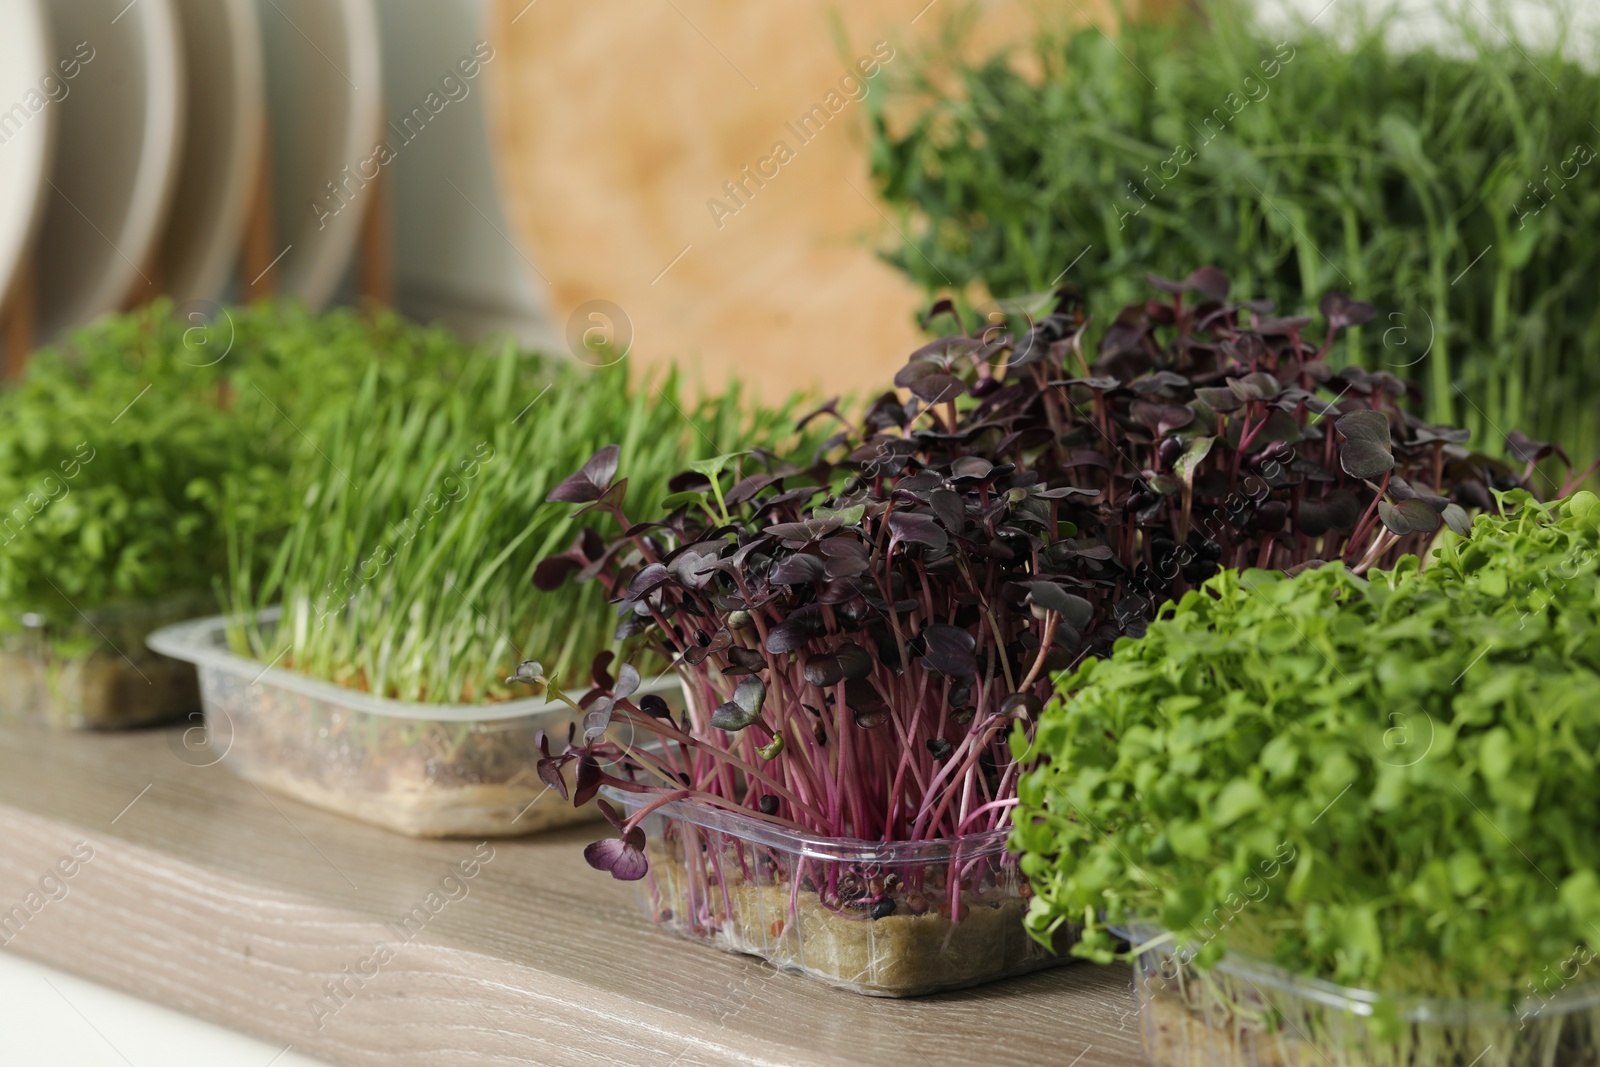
(1386, 782)
(116, 446)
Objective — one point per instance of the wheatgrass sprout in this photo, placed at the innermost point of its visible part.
(406, 569)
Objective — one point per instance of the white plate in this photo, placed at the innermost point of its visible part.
(223, 127)
(325, 107)
(116, 157)
(28, 81)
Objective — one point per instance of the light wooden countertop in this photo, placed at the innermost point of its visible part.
(207, 895)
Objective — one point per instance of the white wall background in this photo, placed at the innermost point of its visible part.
(1428, 22)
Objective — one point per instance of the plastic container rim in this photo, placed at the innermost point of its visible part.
(1364, 1002)
(203, 642)
(816, 846)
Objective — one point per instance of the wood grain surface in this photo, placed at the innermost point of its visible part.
(617, 126)
(209, 896)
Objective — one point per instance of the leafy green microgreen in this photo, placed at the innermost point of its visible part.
(122, 448)
(712, 467)
(1387, 782)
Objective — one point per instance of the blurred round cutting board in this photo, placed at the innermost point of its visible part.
(619, 125)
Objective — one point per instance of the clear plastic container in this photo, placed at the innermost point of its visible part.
(96, 673)
(425, 770)
(1243, 1012)
(869, 917)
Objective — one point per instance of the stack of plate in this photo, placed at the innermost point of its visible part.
(134, 137)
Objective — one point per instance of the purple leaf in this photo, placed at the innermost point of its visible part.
(1074, 610)
(800, 533)
(550, 774)
(591, 482)
(743, 661)
(918, 528)
(589, 779)
(623, 856)
(951, 509)
(844, 557)
(973, 467)
(799, 569)
(652, 577)
(749, 488)
(600, 669)
(1524, 449)
(744, 708)
(1409, 516)
(1339, 510)
(552, 571)
(1341, 311)
(1366, 452)
(830, 668)
(949, 650)
(938, 388)
(1455, 516)
(1209, 282)
(598, 718)
(1219, 399)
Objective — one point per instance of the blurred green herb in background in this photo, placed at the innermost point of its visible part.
(1454, 189)
(116, 445)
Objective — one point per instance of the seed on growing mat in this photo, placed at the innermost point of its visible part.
(776, 929)
(883, 908)
(917, 904)
(868, 719)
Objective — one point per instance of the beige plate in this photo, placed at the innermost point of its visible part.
(116, 155)
(29, 84)
(325, 104)
(221, 150)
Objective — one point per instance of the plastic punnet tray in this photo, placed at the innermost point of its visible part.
(1242, 1012)
(426, 770)
(888, 919)
(95, 673)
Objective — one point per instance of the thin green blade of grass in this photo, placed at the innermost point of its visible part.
(406, 566)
